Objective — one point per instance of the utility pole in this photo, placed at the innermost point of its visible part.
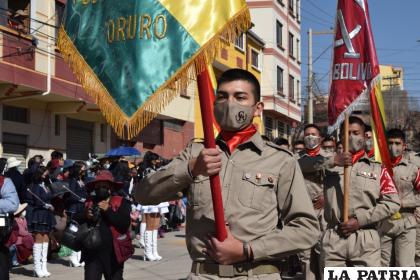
(310, 73)
(310, 93)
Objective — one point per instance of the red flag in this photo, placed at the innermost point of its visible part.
(355, 72)
(355, 64)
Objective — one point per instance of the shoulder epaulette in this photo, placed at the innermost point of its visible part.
(277, 147)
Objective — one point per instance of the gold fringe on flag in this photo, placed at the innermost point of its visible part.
(128, 127)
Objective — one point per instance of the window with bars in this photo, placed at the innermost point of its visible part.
(239, 42)
(280, 129)
(268, 125)
(279, 34)
(15, 114)
(291, 88)
(279, 80)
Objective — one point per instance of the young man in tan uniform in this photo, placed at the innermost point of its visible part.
(414, 158)
(314, 185)
(399, 231)
(372, 198)
(266, 206)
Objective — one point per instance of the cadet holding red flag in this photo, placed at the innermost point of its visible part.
(351, 238)
(266, 206)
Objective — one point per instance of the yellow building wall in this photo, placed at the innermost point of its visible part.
(391, 76)
(229, 55)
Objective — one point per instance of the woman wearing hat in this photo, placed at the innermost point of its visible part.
(41, 219)
(22, 247)
(17, 178)
(103, 260)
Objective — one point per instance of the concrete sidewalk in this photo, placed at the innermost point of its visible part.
(175, 264)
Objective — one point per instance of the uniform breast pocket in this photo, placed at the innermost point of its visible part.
(197, 192)
(257, 191)
(368, 182)
(405, 184)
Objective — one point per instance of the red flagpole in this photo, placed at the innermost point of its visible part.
(205, 88)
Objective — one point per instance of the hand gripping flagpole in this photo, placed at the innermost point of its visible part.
(204, 90)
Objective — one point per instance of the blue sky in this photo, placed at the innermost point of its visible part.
(396, 29)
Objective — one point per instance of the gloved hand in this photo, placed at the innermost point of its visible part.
(49, 207)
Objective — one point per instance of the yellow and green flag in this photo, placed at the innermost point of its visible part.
(134, 56)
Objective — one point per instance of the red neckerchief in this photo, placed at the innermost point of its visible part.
(356, 156)
(395, 161)
(233, 139)
(371, 153)
(313, 152)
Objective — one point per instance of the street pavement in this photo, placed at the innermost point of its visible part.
(175, 264)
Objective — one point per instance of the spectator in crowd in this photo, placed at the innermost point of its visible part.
(121, 173)
(21, 250)
(56, 155)
(75, 200)
(41, 219)
(17, 178)
(111, 218)
(9, 203)
(152, 213)
(33, 164)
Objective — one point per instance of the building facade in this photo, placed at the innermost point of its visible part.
(43, 108)
(277, 22)
(391, 77)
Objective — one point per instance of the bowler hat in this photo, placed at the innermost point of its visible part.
(103, 176)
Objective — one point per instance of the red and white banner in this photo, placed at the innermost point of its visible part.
(355, 63)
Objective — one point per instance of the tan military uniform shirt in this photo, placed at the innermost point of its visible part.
(405, 174)
(261, 184)
(313, 169)
(367, 201)
(412, 157)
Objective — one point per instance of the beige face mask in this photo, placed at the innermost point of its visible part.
(232, 116)
(396, 151)
(356, 143)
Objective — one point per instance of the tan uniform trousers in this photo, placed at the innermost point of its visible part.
(362, 249)
(404, 248)
(417, 257)
(311, 257)
(401, 235)
(273, 276)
